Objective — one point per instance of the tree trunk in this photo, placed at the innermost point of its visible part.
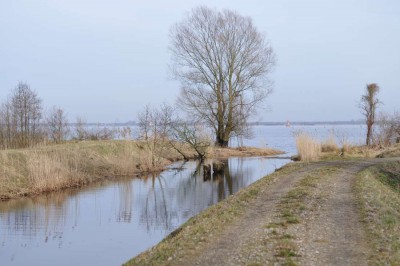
(220, 142)
(369, 134)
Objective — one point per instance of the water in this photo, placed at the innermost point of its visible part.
(283, 138)
(112, 221)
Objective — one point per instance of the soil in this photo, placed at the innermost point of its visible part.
(329, 230)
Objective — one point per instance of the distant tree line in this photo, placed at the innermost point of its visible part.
(24, 122)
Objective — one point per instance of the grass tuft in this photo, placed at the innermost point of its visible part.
(308, 149)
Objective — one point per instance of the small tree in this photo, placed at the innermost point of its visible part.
(24, 113)
(368, 105)
(192, 134)
(80, 131)
(154, 125)
(57, 125)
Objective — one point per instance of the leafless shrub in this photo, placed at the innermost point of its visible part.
(161, 128)
(192, 134)
(154, 125)
(125, 133)
(57, 125)
(80, 130)
(388, 131)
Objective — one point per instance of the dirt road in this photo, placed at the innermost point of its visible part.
(305, 214)
(307, 217)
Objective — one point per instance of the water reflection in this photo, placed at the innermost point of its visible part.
(122, 217)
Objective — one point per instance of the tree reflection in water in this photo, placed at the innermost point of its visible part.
(119, 215)
(181, 193)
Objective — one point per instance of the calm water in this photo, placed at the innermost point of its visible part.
(282, 138)
(111, 222)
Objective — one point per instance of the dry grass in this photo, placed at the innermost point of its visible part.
(329, 145)
(73, 164)
(49, 168)
(242, 152)
(308, 149)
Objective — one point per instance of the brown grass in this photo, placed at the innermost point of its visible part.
(73, 164)
(329, 145)
(242, 152)
(308, 149)
(49, 168)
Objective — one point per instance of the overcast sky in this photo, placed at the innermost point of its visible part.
(105, 60)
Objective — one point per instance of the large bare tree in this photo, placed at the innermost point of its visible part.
(368, 105)
(222, 62)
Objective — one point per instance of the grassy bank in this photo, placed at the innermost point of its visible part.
(378, 194)
(193, 235)
(49, 168)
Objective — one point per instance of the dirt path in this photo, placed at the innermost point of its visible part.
(308, 217)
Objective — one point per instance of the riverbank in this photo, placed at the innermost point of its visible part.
(25, 172)
(325, 212)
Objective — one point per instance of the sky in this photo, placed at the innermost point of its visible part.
(105, 60)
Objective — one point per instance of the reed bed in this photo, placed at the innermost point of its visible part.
(50, 168)
(308, 148)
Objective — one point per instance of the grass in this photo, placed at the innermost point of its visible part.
(192, 236)
(49, 168)
(329, 145)
(379, 200)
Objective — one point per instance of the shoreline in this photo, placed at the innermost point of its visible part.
(35, 171)
(301, 185)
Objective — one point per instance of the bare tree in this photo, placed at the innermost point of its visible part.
(222, 62)
(192, 134)
(7, 130)
(368, 106)
(161, 128)
(80, 131)
(20, 118)
(154, 125)
(57, 124)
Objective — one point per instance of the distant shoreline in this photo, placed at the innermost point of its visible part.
(299, 123)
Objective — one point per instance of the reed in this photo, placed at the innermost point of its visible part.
(50, 168)
(329, 144)
(308, 149)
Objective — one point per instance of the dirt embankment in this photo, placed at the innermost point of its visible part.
(306, 214)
